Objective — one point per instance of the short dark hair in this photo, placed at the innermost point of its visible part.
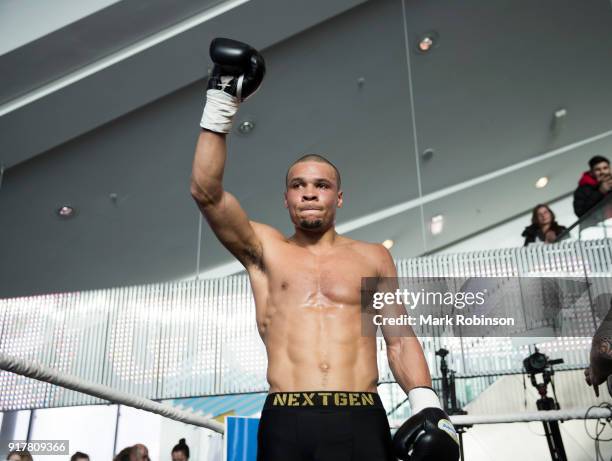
(79, 455)
(596, 160)
(182, 446)
(313, 158)
(124, 455)
(25, 455)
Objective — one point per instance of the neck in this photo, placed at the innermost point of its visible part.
(545, 227)
(314, 238)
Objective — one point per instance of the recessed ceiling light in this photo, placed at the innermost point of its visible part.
(65, 211)
(427, 41)
(425, 44)
(246, 127)
(541, 182)
(437, 224)
(427, 154)
(388, 244)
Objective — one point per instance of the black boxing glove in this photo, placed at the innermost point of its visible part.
(428, 435)
(238, 71)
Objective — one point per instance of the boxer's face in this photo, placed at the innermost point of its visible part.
(312, 195)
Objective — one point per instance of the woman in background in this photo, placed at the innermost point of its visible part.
(180, 452)
(544, 227)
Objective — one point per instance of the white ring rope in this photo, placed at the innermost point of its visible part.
(528, 416)
(47, 374)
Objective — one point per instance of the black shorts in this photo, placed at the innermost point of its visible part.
(323, 426)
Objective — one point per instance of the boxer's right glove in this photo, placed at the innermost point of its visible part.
(428, 435)
(239, 70)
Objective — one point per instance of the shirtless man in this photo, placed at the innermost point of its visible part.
(322, 370)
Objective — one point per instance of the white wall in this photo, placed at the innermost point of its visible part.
(525, 441)
(139, 426)
(508, 235)
(204, 445)
(89, 429)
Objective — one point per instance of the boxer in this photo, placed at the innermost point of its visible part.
(322, 370)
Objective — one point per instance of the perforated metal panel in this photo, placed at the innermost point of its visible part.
(199, 338)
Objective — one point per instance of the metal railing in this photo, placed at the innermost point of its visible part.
(175, 340)
(596, 223)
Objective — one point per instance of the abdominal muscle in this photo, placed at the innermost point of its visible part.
(318, 347)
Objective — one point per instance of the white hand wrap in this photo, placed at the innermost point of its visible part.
(422, 397)
(219, 111)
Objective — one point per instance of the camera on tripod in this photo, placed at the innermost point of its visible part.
(539, 363)
(535, 364)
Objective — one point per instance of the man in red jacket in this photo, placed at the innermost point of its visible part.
(593, 186)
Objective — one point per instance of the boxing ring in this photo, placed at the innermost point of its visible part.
(137, 345)
(243, 431)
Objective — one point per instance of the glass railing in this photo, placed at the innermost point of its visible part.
(594, 224)
(177, 340)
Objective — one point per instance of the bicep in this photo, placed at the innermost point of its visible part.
(394, 329)
(232, 227)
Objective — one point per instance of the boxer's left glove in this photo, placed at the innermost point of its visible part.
(428, 435)
(238, 71)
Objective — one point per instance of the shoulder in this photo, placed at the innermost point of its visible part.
(376, 254)
(585, 189)
(266, 233)
(365, 248)
(530, 230)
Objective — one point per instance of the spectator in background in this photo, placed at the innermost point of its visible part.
(79, 456)
(544, 227)
(127, 454)
(13, 456)
(25, 455)
(180, 452)
(593, 186)
(141, 452)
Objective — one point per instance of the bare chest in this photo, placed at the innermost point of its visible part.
(299, 277)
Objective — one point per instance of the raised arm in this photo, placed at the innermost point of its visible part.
(221, 209)
(238, 72)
